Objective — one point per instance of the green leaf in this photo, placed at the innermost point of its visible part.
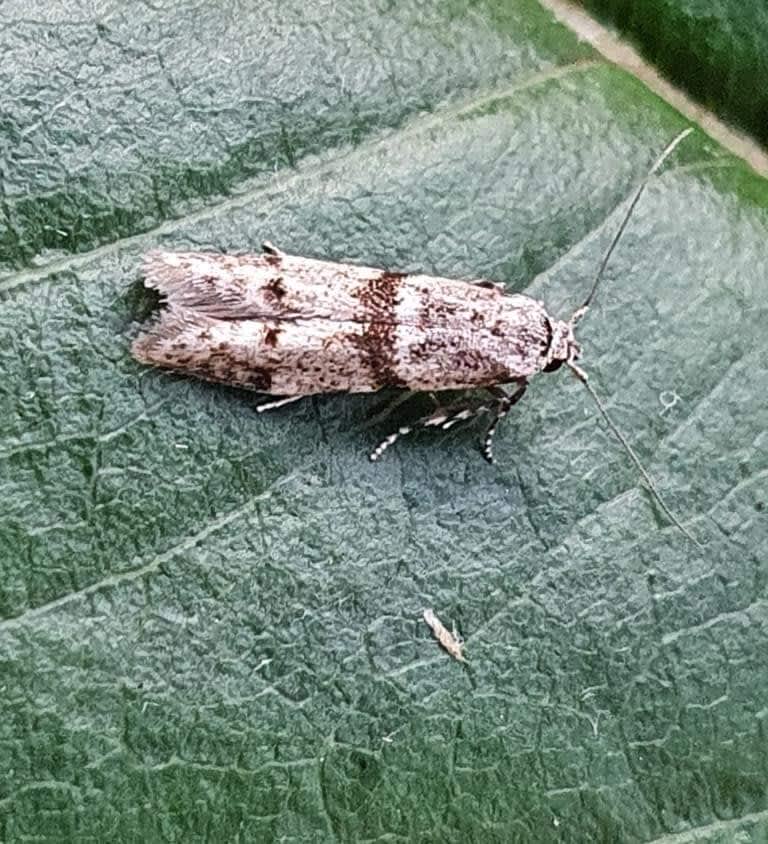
(716, 49)
(210, 619)
(128, 120)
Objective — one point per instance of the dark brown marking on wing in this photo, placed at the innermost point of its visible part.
(527, 342)
(455, 336)
(275, 289)
(464, 356)
(271, 335)
(222, 367)
(378, 298)
(435, 310)
(260, 379)
(389, 277)
(272, 259)
(426, 348)
(438, 313)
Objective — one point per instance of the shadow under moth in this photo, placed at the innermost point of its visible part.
(292, 327)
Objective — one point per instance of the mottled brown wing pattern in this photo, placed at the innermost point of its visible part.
(293, 326)
(280, 357)
(466, 336)
(266, 286)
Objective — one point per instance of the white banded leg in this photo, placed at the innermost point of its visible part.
(382, 410)
(443, 419)
(504, 404)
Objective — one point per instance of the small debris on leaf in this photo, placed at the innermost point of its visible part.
(451, 641)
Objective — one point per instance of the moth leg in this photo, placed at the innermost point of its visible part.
(379, 415)
(443, 419)
(505, 403)
(271, 405)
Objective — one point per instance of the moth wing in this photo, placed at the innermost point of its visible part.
(280, 357)
(266, 286)
(293, 326)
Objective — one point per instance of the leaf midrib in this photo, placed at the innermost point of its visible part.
(286, 178)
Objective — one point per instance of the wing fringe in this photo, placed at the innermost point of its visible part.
(192, 280)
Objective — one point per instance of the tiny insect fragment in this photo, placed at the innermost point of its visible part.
(451, 641)
(291, 327)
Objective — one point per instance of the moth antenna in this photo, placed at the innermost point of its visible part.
(582, 376)
(635, 199)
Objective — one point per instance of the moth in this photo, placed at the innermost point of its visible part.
(291, 327)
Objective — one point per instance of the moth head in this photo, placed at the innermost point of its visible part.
(563, 347)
